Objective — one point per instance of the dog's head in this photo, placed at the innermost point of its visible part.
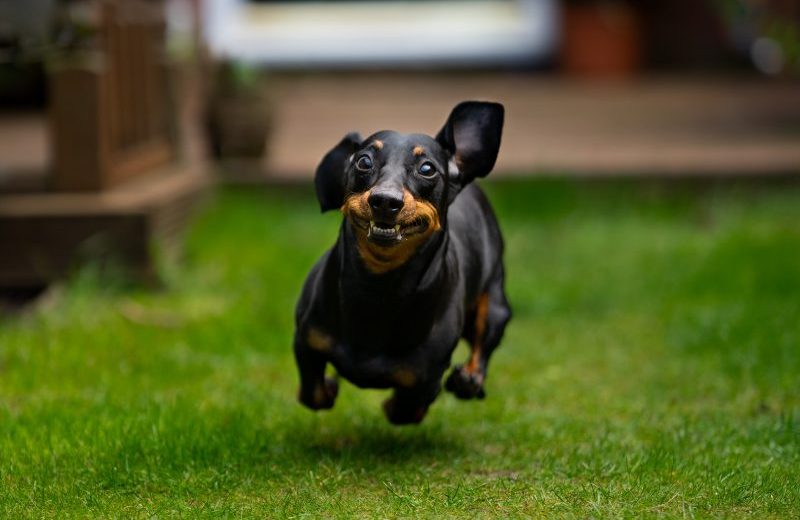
(394, 188)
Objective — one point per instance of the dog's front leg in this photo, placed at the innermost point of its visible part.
(316, 391)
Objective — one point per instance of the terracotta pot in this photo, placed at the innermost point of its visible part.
(601, 39)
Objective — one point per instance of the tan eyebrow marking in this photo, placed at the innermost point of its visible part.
(378, 144)
(418, 150)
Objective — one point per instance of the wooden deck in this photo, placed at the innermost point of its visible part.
(650, 127)
(44, 235)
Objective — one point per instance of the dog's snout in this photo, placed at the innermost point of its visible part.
(386, 204)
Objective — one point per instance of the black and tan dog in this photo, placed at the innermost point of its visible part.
(418, 265)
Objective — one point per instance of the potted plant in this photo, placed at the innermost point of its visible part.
(237, 113)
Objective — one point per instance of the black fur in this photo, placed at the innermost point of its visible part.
(398, 328)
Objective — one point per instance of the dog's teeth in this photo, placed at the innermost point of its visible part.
(379, 230)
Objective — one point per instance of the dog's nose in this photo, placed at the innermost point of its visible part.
(385, 204)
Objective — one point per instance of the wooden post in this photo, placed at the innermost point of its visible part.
(79, 135)
(108, 119)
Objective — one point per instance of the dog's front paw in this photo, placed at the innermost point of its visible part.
(322, 396)
(465, 384)
(399, 413)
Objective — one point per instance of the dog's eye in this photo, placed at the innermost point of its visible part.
(364, 163)
(427, 169)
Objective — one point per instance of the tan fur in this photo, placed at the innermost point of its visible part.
(318, 340)
(377, 144)
(418, 150)
(379, 259)
(481, 312)
(319, 394)
(405, 377)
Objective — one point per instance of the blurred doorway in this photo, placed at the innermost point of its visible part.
(395, 33)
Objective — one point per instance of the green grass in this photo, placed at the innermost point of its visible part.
(652, 368)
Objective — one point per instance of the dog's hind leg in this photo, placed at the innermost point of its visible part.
(410, 405)
(488, 323)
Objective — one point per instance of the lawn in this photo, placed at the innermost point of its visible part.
(652, 368)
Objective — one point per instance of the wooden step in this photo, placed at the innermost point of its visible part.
(44, 235)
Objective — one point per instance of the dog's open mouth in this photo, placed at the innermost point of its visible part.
(390, 234)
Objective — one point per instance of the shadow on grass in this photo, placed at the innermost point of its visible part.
(365, 444)
(162, 445)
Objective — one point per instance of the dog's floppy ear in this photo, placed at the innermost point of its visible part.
(472, 134)
(330, 179)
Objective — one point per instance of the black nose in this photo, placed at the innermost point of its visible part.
(385, 204)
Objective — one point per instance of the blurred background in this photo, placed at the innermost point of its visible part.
(157, 220)
(117, 117)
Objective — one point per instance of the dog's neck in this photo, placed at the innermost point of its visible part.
(396, 308)
(412, 289)
(422, 273)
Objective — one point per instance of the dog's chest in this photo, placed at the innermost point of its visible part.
(380, 367)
